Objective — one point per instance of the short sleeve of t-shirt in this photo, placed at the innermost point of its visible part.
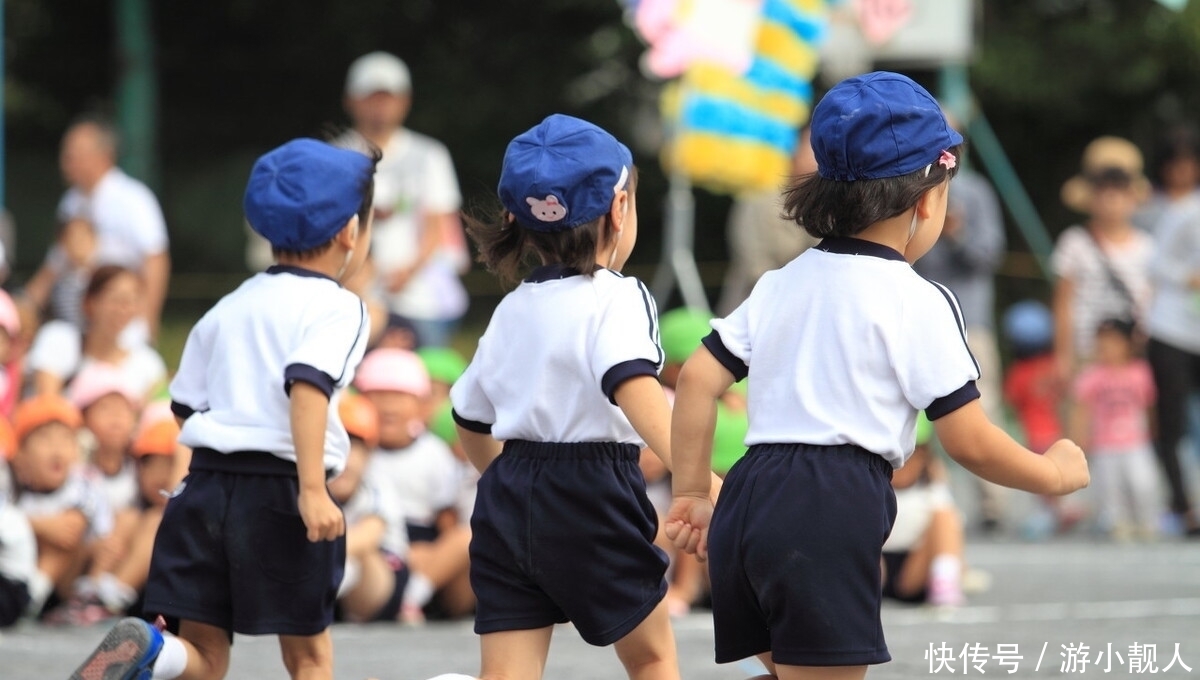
(626, 343)
(189, 387)
(56, 349)
(733, 332)
(333, 342)
(472, 409)
(1070, 253)
(936, 370)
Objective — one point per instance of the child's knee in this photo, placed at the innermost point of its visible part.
(301, 653)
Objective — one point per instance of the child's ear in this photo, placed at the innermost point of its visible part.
(928, 202)
(618, 211)
(349, 234)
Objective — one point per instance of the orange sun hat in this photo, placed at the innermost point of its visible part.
(360, 418)
(41, 410)
(158, 432)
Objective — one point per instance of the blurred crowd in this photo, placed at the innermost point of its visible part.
(1111, 358)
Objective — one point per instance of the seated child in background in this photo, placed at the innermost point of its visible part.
(110, 411)
(376, 574)
(65, 508)
(18, 547)
(114, 587)
(10, 354)
(419, 468)
(923, 556)
(1114, 394)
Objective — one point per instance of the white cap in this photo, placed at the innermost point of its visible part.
(377, 72)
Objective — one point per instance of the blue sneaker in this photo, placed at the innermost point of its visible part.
(126, 653)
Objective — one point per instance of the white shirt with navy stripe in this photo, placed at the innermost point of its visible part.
(843, 345)
(554, 352)
(242, 357)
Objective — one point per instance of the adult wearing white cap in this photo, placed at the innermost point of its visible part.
(418, 248)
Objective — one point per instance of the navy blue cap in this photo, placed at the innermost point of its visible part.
(878, 125)
(301, 194)
(562, 173)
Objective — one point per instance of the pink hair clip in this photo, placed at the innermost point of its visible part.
(947, 160)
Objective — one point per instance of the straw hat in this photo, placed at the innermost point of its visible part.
(1101, 156)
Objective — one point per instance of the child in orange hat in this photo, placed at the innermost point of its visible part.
(65, 509)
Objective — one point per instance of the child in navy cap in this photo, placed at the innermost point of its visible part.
(566, 375)
(251, 541)
(843, 346)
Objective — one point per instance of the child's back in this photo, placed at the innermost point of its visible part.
(867, 325)
(575, 329)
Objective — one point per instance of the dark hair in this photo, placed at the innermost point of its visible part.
(365, 206)
(1123, 327)
(827, 207)
(507, 249)
(1178, 142)
(103, 276)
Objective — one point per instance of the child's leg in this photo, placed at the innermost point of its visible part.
(207, 649)
(376, 582)
(514, 654)
(135, 568)
(820, 672)
(107, 552)
(442, 564)
(199, 652)
(648, 651)
(943, 539)
(308, 657)
(1142, 477)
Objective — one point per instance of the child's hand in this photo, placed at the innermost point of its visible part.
(687, 524)
(1072, 466)
(322, 517)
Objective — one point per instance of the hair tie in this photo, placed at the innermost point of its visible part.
(947, 160)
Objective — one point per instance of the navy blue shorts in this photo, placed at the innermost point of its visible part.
(232, 551)
(794, 555)
(565, 532)
(14, 598)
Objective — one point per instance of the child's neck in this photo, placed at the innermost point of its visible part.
(892, 232)
(1111, 228)
(102, 347)
(330, 263)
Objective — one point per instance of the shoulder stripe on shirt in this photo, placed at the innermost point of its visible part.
(958, 318)
(652, 314)
(360, 336)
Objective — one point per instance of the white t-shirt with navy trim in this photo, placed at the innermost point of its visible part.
(843, 345)
(241, 358)
(553, 355)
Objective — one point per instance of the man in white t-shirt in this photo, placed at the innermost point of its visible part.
(418, 247)
(128, 221)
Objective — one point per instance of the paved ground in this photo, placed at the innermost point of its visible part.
(1054, 596)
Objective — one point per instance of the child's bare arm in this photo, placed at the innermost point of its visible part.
(701, 383)
(1080, 423)
(64, 530)
(481, 449)
(987, 451)
(644, 403)
(309, 413)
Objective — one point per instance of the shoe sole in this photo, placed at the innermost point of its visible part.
(121, 654)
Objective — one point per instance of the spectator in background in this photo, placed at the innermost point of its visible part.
(1173, 319)
(418, 248)
(110, 305)
(1176, 178)
(129, 224)
(965, 259)
(1102, 265)
(760, 238)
